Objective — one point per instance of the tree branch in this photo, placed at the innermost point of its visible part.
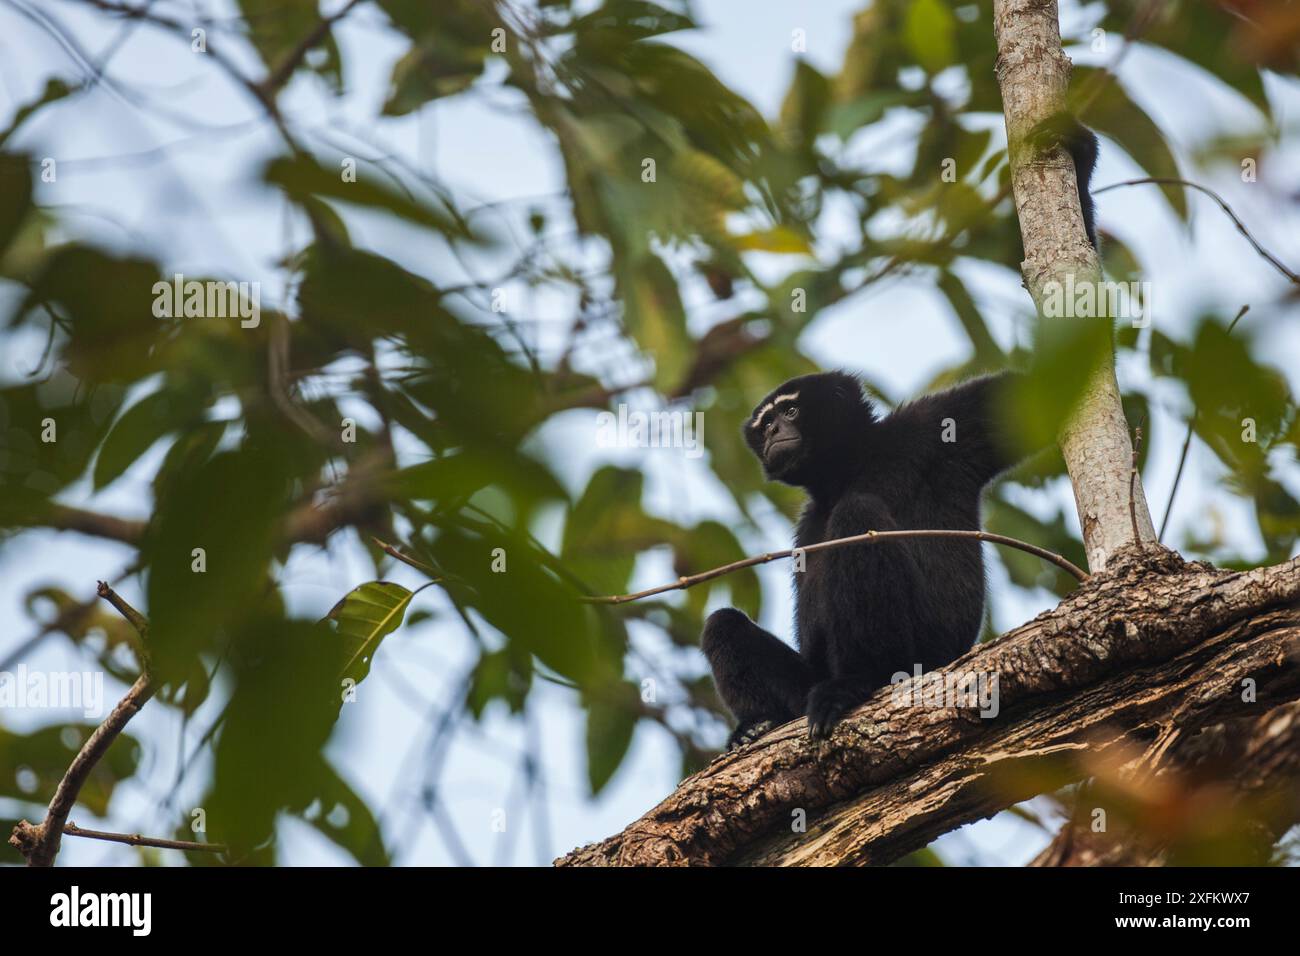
(1151, 641)
(1271, 259)
(135, 839)
(39, 843)
(1033, 73)
(868, 537)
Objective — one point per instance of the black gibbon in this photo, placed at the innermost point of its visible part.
(866, 612)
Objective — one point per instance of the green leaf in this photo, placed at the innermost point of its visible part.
(302, 178)
(364, 617)
(55, 90)
(276, 29)
(654, 315)
(611, 722)
(338, 813)
(42, 757)
(136, 431)
(1115, 115)
(15, 195)
(929, 31)
(607, 528)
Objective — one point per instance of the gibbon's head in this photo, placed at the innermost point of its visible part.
(811, 429)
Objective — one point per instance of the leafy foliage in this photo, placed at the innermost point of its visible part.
(670, 177)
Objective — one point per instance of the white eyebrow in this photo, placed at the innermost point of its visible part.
(758, 415)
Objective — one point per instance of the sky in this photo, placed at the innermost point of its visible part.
(164, 164)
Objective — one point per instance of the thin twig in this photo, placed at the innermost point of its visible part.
(869, 537)
(1132, 480)
(392, 552)
(135, 839)
(39, 843)
(1241, 227)
(1187, 444)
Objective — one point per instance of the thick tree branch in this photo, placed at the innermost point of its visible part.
(1149, 643)
(1241, 776)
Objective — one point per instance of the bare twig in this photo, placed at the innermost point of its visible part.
(39, 843)
(1241, 227)
(135, 839)
(392, 552)
(869, 537)
(1132, 482)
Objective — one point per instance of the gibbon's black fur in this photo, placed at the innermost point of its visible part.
(864, 612)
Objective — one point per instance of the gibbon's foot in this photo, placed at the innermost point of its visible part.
(746, 734)
(828, 702)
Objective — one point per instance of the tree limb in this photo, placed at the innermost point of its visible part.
(39, 843)
(1152, 641)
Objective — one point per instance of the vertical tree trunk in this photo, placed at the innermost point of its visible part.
(1033, 73)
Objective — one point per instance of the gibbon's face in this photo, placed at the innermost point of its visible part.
(798, 428)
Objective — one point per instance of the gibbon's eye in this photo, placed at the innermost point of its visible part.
(791, 413)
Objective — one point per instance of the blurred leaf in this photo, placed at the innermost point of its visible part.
(135, 432)
(656, 318)
(611, 722)
(1113, 114)
(15, 195)
(341, 816)
(928, 29)
(43, 756)
(49, 430)
(268, 757)
(1199, 33)
(301, 179)
(55, 90)
(276, 29)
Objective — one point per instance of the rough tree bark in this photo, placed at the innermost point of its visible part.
(1142, 668)
(1148, 649)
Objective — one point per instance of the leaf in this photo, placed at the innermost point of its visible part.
(135, 432)
(364, 617)
(611, 722)
(42, 757)
(15, 195)
(987, 352)
(929, 31)
(654, 315)
(1211, 35)
(55, 90)
(1118, 117)
(340, 814)
(781, 239)
(302, 178)
(607, 528)
(106, 299)
(276, 28)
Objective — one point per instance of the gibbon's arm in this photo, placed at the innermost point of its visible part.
(963, 430)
